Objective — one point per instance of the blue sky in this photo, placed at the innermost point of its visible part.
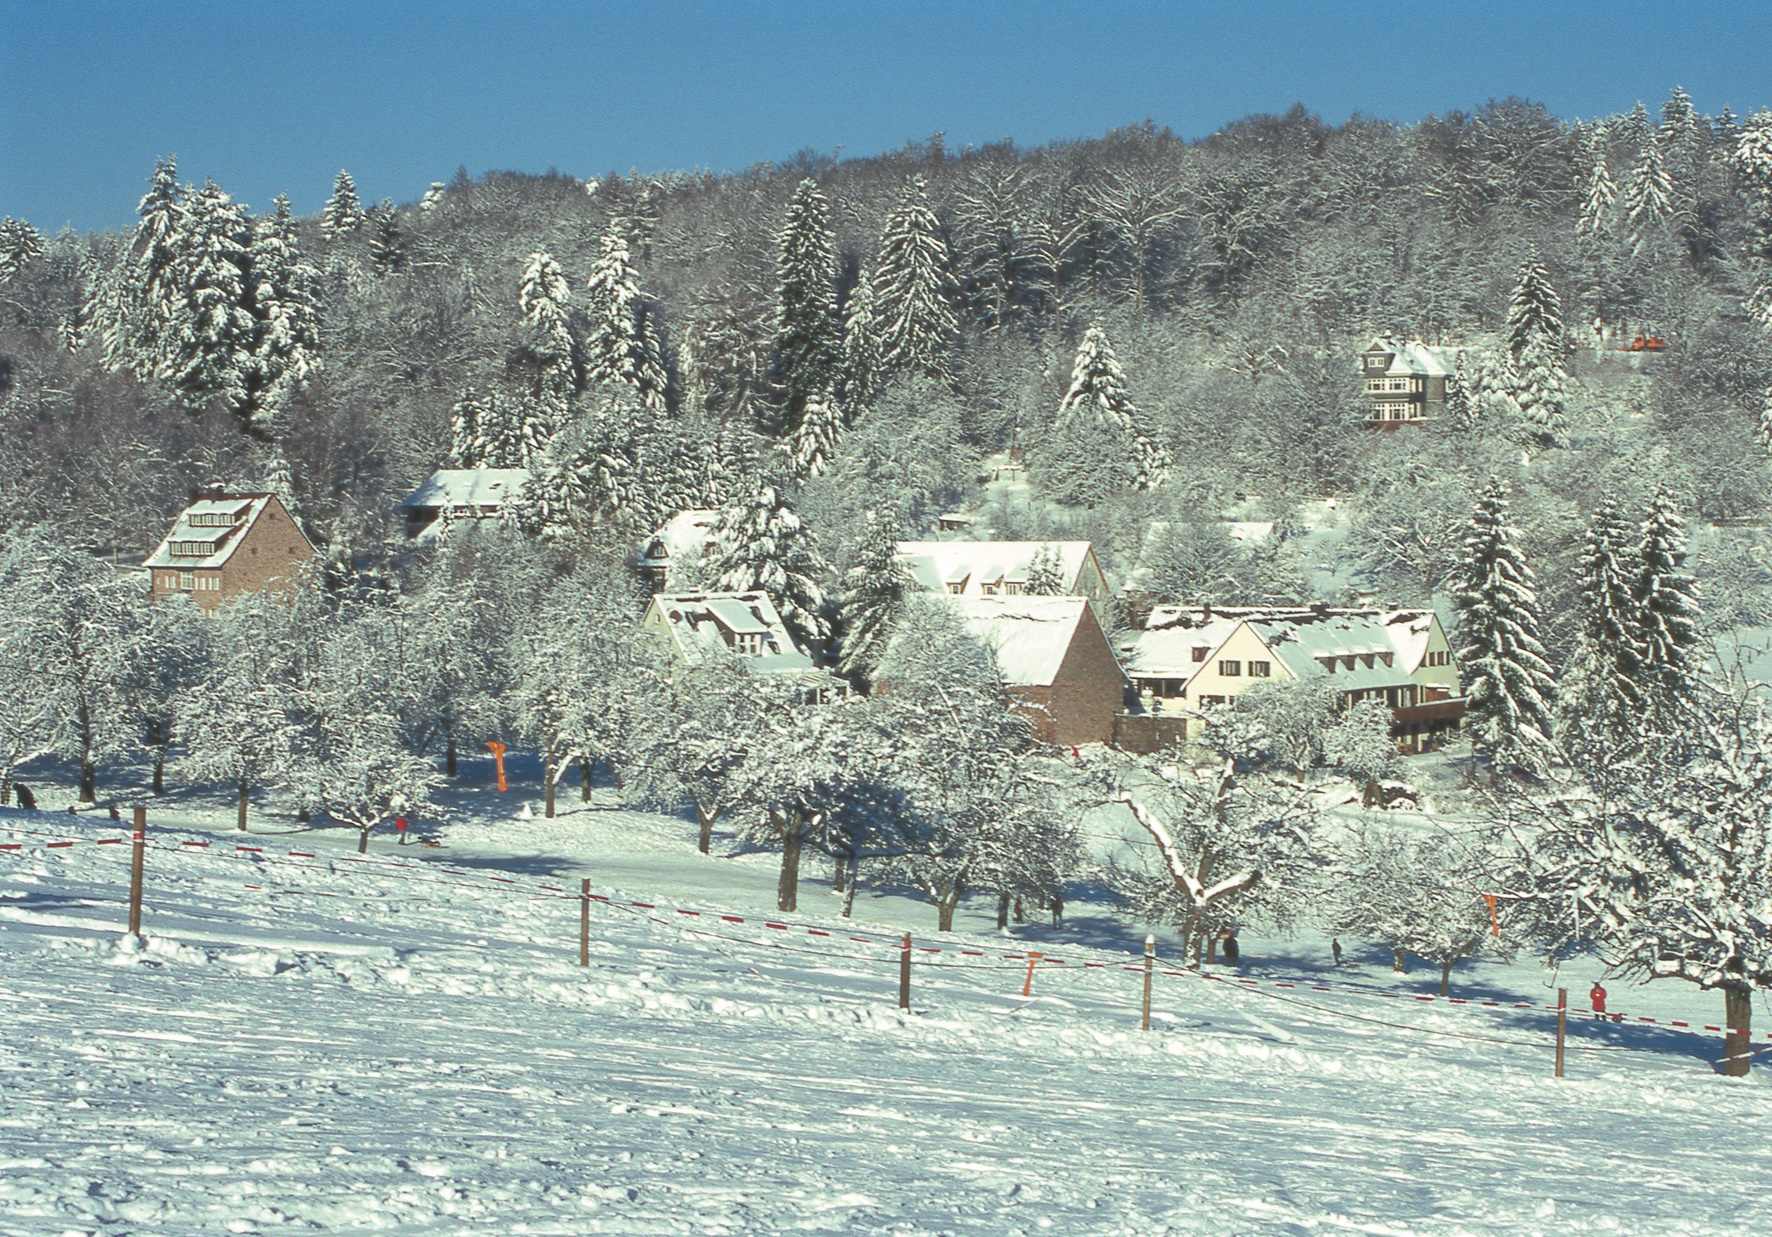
(267, 97)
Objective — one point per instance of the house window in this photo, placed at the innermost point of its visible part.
(1230, 669)
(747, 643)
(1012, 589)
(1199, 652)
(956, 589)
(1260, 669)
(1386, 658)
(187, 579)
(1211, 699)
(989, 590)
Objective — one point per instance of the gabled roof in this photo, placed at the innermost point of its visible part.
(1165, 648)
(1412, 359)
(206, 541)
(1029, 635)
(1302, 639)
(700, 622)
(936, 564)
(684, 535)
(467, 487)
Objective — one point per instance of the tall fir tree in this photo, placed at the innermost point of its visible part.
(618, 347)
(343, 214)
(1667, 605)
(208, 349)
(873, 596)
(387, 240)
(545, 299)
(1600, 195)
(1045, 572)
(1535, 347)
(1098, 385)
(129, 308)
(808, 333)
(859, 366)
(760, 543)
(1507, 680)
(1600, 697)
(914, 290)
(812, 446)
(20, 244)
(285, 309)
(1648, 197)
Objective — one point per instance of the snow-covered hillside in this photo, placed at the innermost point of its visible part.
(408, 1045)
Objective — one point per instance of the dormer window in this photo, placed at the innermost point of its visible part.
(957, 587)
(747, 643)
(1199, 652)
(989, 590)
(193, 549)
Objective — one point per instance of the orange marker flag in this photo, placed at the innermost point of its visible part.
(1493, 921)
(498, 754)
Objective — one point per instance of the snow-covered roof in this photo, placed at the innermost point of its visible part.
(467, 488)
(206, 533)
(697, 622)
(1030, 635)
(685, 534)
(1413, 359)
(934, 565)
(1305, 640)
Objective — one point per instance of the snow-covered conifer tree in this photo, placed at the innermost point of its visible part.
(130, 307)
(1461, 409)
(1507, 680)
(617, 345)
(20, 243)
(808, 335)
(760, 543)
(812, 445)
(546, 302)
(1648, 196)
(343, 214)
(1535, 346)
(286, 338)
(1098, 385)
(387, 242)
(873, 595)
(1667, 609)
(1602, 692)
(1600, 194)
(207, 349)
(1045, 572)
(860, 359)
(914, 289)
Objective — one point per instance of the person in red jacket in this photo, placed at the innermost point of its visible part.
(1597, 995)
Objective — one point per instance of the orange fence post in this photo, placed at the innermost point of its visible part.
(1027, 989)
(498, 754)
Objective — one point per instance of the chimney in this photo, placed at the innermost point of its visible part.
(1206, 611)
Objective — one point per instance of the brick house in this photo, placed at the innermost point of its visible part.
(1001, 568)
(1187, 658)
(1405, 383)
(226, 544)
(1057, 664)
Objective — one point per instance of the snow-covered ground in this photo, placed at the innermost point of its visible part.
(409, 1045)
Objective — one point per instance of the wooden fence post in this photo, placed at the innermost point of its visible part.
(1150, 958)
(1027, 989)
(584, 922)
(137, 859)
(1562, 1025)
(904, 973)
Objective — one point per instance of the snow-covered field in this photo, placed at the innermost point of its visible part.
(402, 1049)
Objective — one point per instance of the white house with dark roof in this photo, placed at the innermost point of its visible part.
(226, 544)
(451, 494)
(1187, 658)
(1001, 568)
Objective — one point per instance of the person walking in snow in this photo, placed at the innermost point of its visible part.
(1335, 948)
(1597, 995)
(400, 829)
(1230, 947)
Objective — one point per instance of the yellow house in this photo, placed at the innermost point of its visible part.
(1187, 658)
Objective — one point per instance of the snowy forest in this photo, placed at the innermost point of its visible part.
(1165, 333)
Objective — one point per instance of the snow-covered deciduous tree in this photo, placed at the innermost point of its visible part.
(343, 213)
(914, 290)
(175, 646)
(983, 809)
(1667, 873)
(873, 596)
(1229, 849)
(1360, 743)
(1424, 893)
(1286, 719)
(1501, 655)
(618, 344)
(29, 721)
(808, 333)
(761, 543)
(690, 744)
(285, 311)
(243, 725)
